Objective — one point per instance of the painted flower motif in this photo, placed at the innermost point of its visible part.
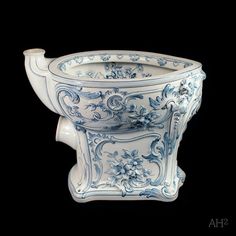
(161, 61)
(119, 71)
(139, 67)
(78, 59)
(105, 57)
(134, 57)
(129, 73)
(143, 118)
(127, 171)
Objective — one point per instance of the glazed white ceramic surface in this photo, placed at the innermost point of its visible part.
(124, 112)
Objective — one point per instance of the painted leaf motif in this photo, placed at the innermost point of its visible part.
(153, 115)
(91, 106)
(131, 108)
(161, 61)
(126, 154)
(79, 121)
(154, 143)
(146, 173)
(90, 95)
(97, 169)
(134, 97)
(149, 193)
(113, 181)
(167, 90)
(102, 106)
(112, 155)
(128, 188)
(110, 172)
(91, 135)
(96, 116)
(151, 158)
(154, 103)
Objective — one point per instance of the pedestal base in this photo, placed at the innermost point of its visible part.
(137, 165)
(163, 192)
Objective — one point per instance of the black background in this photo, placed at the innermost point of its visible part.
(36, 175)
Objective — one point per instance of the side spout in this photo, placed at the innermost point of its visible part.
(36, 66)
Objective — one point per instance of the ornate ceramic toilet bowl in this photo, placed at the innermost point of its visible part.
(124, 112)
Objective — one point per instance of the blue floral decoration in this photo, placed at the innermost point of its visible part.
(127, 170)
(142, 118)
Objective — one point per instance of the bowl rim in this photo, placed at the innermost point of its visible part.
(148, 81)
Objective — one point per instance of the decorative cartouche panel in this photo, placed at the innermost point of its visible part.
(124, 113)
(125, 167)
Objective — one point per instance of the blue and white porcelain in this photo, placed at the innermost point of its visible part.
(124, 112)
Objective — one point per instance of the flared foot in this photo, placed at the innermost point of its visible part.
(162, 192)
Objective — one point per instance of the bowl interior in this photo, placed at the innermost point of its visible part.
(116, 70)
(118, 66)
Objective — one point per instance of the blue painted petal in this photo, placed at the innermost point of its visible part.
(134, 153)
(126, 154)
(143, 110)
